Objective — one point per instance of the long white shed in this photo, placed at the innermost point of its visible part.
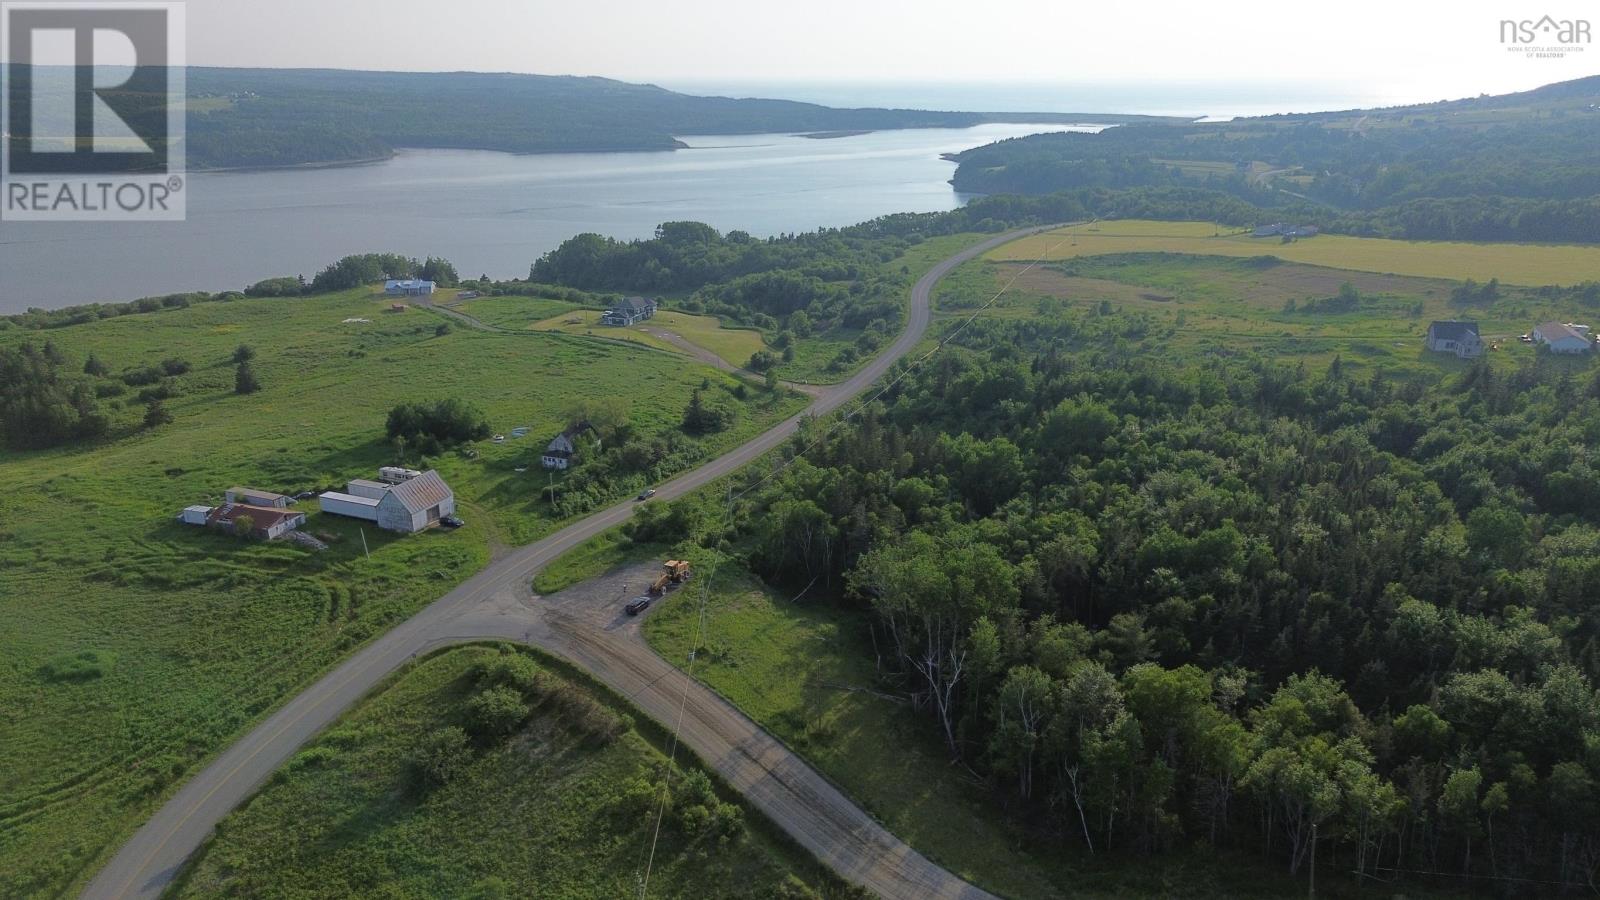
(372, 490)
(350, 505)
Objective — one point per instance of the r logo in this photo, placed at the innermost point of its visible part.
(92, 89)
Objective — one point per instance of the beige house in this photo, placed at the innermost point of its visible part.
(1561, 338)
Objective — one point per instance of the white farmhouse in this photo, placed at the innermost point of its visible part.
(408, 287)
(559, 453)
(1561, 338)
(1460, 338)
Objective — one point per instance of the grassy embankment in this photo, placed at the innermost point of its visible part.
(553, 809)
(133, 648)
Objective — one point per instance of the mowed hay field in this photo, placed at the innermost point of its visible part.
(560, 807)
(132, 648)
(1202, 305)
(733, 345)
(1525, 264)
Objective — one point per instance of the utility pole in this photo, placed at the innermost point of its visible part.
(364, 545)
(1313, 893)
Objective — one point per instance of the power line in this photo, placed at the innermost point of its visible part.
(683, 702)
(705, 594)
(909, 368)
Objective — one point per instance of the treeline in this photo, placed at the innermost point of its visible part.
(1160, 603)
(835, 277)
(355, 271)
(349, 272)
(1470, 170)
(43, 402)
(264, 117)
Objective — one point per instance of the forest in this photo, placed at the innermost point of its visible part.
(1161, 602)
(1518, 167)
(287, 117)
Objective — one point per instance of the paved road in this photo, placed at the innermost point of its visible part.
(496, 603)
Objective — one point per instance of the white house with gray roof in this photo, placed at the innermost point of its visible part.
(1460, 338)
(629, 311)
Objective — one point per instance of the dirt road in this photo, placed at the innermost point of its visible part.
(496, 603)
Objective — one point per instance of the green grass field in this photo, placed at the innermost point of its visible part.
(733, 345)
(1200, 305)
(549, 811)
(512, 312)
(190, 635)
(1527, 264)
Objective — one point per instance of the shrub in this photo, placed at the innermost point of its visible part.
(157, 415)
(496, 711)
(157, 393)
(142, 377)
(245, 380)
(448, 422)
(761, 361)
(441, 756)
(513, 670)
(85, 665)
(175, 366)
(704, 418)
(287, 286)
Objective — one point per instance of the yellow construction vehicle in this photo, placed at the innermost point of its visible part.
(674, 571)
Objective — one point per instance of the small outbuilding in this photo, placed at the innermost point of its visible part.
(1459, 338)
(1562, 338)
(195, 515)
(349, 505)
(255, 497)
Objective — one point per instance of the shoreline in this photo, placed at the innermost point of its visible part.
(1064, 119)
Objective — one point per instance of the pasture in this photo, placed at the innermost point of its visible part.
(132, 648)
(1522, 264)
(1202, 305)
(732, 345)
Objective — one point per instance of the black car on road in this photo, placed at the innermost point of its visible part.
(638, 605)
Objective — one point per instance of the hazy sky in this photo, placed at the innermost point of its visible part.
(1397, 49)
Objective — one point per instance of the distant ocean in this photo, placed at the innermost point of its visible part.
(1214, 99)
